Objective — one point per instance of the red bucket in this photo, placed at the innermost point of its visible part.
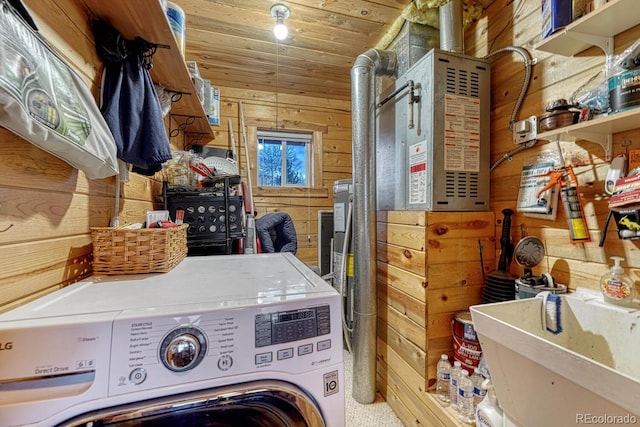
(466, 347)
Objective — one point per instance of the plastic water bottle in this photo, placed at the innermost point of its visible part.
(478, 391)
(453, 384)
(443, 369)
(466, 411)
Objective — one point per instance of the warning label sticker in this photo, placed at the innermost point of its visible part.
(461, 133)
(418, 173)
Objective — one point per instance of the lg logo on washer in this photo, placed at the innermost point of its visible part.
(6, 345)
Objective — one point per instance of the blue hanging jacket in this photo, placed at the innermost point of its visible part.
(130, 104)
(132, 111)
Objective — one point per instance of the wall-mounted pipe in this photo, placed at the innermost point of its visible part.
(452, 26)
(367, 66)
(412, 98)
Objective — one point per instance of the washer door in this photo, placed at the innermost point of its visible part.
(254, 404)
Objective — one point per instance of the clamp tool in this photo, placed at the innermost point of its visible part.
(572, 200)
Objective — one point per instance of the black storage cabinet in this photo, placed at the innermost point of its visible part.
(214, 214)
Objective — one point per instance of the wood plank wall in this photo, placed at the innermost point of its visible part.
(431, 265)
(518, 23)
(47, 207)
(331, 119)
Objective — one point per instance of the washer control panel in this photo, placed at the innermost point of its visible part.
(292, 325)
(158, 351)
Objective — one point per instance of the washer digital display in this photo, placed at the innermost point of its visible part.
(293, 325)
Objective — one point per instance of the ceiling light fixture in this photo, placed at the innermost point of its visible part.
(280, 12)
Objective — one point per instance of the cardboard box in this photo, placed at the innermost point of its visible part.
(626, 191)
(556, 14)
(192, 66)
(213, 112)
(634, 159)
(581, 8)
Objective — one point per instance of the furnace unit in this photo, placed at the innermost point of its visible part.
(433, 136)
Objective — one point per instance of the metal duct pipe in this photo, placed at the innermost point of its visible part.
(368, 65)
(451, 26)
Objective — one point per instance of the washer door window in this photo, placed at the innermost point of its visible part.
(255, 404)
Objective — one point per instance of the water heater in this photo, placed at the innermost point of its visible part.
(432, 132)
(343, 246)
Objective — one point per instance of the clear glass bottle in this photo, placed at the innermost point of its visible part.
(479, 392)
(466, 411)
(443, 369)
(453, 384)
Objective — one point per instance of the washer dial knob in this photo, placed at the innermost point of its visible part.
(183, 349)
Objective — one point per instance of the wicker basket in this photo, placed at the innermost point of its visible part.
(132, 251)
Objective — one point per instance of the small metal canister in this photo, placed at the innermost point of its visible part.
(624, 90)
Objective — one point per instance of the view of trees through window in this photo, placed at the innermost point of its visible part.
(283, 159)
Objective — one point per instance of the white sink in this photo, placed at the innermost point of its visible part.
(590, 369)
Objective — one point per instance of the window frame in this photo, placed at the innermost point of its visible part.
(316, 172)
(285, 137)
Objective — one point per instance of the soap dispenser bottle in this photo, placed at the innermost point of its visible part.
(617, 287)
(488, 412)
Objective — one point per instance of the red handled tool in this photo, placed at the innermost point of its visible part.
(163, 224)
(200, 170)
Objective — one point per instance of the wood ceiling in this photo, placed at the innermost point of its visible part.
(233, 43)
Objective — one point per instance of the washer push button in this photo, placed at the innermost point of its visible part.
(323, 345)
(285, 353)
(264, 358)
(305, 349)
(225, 362)
(138, 375)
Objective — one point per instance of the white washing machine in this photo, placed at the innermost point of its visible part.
(239, 340)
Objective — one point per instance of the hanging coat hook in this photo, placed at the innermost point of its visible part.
(181, 126)
(147, 50)
(175, 96)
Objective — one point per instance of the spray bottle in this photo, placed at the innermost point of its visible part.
(617, 287)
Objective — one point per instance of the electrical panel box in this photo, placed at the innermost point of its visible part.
(432, 148)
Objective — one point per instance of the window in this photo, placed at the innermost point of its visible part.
(284, 159)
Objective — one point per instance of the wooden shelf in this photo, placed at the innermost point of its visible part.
(146, 19)
(594, 29)
(599, 130)
(597, 28)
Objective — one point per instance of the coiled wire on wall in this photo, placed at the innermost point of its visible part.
(528, 63)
